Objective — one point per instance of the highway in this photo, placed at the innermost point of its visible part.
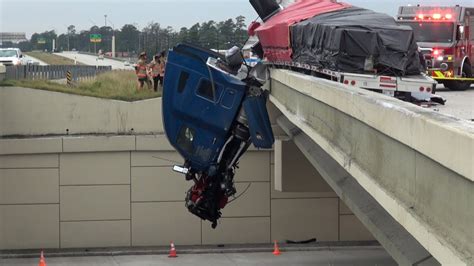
(460, 104)
(93, 61)
(34, 60)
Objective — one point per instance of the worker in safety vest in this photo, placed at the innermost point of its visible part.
(155, 69)
(162, 67)
(141, 69)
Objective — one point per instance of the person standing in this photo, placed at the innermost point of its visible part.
(141, 71)
(162, 67)
(155, 68)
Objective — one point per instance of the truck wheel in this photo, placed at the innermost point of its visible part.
(461, 85)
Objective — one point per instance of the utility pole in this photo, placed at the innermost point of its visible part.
(68, 34)
(113, 38)
(139, 42)
(105, 19)
(113, 45)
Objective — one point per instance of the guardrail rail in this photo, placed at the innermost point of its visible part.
(35, 72)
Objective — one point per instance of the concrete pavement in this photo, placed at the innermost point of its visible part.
(93, 60)
(460, 104)
(335, 256)
(34, 60)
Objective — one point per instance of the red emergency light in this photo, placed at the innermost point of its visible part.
(434, 16)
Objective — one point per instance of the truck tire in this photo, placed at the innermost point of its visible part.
(461, 85)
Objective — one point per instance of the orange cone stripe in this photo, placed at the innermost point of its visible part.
(42, 261)
(276, 250)
(172, 251)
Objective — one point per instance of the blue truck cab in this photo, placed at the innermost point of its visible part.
(199, 105)
(213, 110)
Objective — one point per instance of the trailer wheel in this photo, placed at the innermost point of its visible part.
(461, 85)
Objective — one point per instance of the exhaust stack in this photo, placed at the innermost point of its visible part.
(265, 8)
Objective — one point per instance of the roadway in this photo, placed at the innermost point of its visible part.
(460, 104)
(331, 256)
(28, 58)
(93, 60)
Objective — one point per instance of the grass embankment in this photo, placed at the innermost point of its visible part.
(118, 85)
(51, 59)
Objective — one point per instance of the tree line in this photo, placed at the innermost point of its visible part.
(151, 39)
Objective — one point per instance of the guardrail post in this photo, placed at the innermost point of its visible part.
(69, 78)
(23, 71)
(35, 72)
(3, 72)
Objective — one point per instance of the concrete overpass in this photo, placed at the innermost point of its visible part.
(406, 172)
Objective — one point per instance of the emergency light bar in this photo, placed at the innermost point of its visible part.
(434, 16)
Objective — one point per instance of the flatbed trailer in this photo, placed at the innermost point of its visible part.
(413, 88)
(345, 44)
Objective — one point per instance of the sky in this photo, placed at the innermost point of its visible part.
(32, 16)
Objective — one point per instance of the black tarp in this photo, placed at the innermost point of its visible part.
(355, 40)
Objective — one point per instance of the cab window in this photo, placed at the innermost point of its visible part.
(183, 79)
(205, 89)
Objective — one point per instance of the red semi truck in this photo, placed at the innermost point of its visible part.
(445, 36)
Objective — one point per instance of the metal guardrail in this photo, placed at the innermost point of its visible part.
(34, 72)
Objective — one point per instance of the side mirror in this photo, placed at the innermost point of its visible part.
(460, 33)
(21, 56)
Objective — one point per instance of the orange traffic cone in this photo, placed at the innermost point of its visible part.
(42, 261)
(172, 251)
(276, 250)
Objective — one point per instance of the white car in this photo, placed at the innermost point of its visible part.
(11, 57)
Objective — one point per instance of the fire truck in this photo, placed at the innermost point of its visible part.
(445, 36)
